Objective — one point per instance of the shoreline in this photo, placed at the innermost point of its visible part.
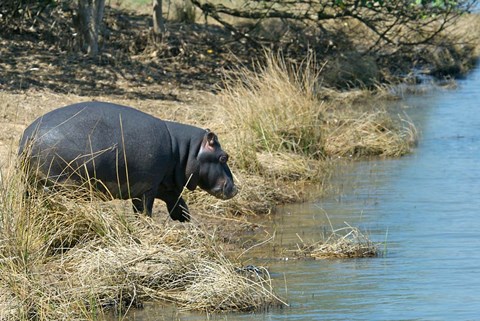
(99, 256)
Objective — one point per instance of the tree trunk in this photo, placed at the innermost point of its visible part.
(87, 23)
(158, 25)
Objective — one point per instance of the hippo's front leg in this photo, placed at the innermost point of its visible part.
(177, 208)
(179, 211)
(144, 204)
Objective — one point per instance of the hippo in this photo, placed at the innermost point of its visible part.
(126, 154)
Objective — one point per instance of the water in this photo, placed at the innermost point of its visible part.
(424, 208)
(427, 208)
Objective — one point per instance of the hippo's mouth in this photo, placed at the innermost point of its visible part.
(223, 192)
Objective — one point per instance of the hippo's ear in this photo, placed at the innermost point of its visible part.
(210, 141)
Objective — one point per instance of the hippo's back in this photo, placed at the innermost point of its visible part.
(113, 143)
(87, 116)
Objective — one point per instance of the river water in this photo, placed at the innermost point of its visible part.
(424, 210)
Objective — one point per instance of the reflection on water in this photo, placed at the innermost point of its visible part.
(427, 208)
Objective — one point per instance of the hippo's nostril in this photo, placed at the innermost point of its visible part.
(229, 190)
(225, 191)
(234, 191)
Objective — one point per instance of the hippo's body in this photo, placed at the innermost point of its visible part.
(127, 154)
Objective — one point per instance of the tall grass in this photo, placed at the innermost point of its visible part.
(274, 110)
(364, 134)
(68, 257)
(281, 121)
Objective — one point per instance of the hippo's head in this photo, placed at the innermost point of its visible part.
(213, 173)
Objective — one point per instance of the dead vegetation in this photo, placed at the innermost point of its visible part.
(62, 255)
(345, 242)
(363, 134)
(281, 119)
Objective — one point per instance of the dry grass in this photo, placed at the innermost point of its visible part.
(455, 51)
(346, 242)
(273, 110)
(282, 122)
(62, 256)
(363, 134)
(260, 194)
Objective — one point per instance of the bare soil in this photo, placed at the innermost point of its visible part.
(43, 55)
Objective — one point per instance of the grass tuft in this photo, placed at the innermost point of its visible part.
(346, 242)
(273, 110)
(354, 134)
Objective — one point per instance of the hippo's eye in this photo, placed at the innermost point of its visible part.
(223, 159)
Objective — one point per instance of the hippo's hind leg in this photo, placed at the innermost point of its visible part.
(143, 204)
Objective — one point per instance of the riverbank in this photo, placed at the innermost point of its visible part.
(282, 129)
(98, 256)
